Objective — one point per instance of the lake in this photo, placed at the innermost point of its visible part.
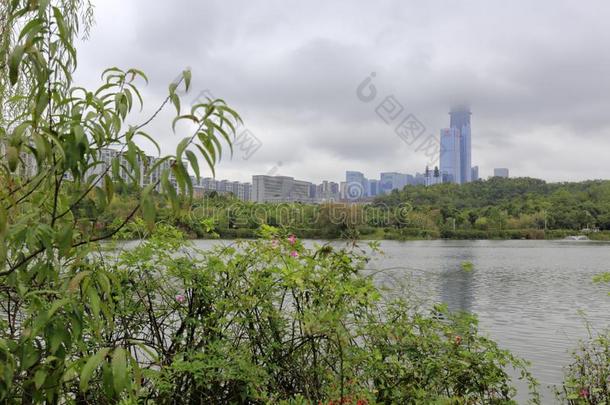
(534, 298)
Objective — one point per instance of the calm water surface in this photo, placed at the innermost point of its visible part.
(533, 297)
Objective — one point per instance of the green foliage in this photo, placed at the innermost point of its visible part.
(587, 379)
(270, 320)
(467, 266)
(488, 208)
(602, 278)
(494, 209)
(57, 303)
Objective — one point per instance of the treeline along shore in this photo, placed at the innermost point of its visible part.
(498, 208)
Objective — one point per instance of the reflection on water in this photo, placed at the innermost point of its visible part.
(456, 288)
(532, 297)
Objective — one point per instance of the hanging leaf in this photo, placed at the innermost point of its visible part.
(187, 79)
(172, 88)
(193, 162)
(181, 147)
(76, 280)
(175, 101)
(39, 377)
(168, 187)
(12, 154)
(109, 187)
(148, 211)
(61, 24)
(181, 117)
(14, 62)
(90, 367)
(119, 369)
(3, 220)
(63, 238)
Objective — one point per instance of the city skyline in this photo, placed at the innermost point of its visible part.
(294, 83)
(277, 188)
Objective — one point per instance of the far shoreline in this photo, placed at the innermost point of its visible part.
(605, 237)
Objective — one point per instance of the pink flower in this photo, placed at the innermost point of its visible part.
(294, 253)
(584, 393)
(275, 243)
(180, 298)
(292, 239)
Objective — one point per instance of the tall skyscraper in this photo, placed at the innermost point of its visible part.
(450, 169)
(465, 154)
(456, 159)
(459, 118)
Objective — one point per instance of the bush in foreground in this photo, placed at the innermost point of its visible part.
(267, 321)
(587, 379)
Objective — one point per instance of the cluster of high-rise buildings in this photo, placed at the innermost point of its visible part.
(206, 185)
(455, 158)
(106, 156)
(201, 186)
(456, 149)
(358, 187)
(456, 152)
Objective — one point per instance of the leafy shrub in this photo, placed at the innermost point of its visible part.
(57, 296)
(587, 379)
(270, 320)
(366, 230)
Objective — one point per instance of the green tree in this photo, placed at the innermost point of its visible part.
(56, 300)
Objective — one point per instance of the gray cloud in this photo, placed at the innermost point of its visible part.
(534, 73)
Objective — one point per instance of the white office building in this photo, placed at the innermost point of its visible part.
(279, 189)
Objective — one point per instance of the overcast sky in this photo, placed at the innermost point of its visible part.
(535, 73)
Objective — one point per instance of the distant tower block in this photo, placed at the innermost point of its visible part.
(460, 120)
(455, 148)
(501, 172)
